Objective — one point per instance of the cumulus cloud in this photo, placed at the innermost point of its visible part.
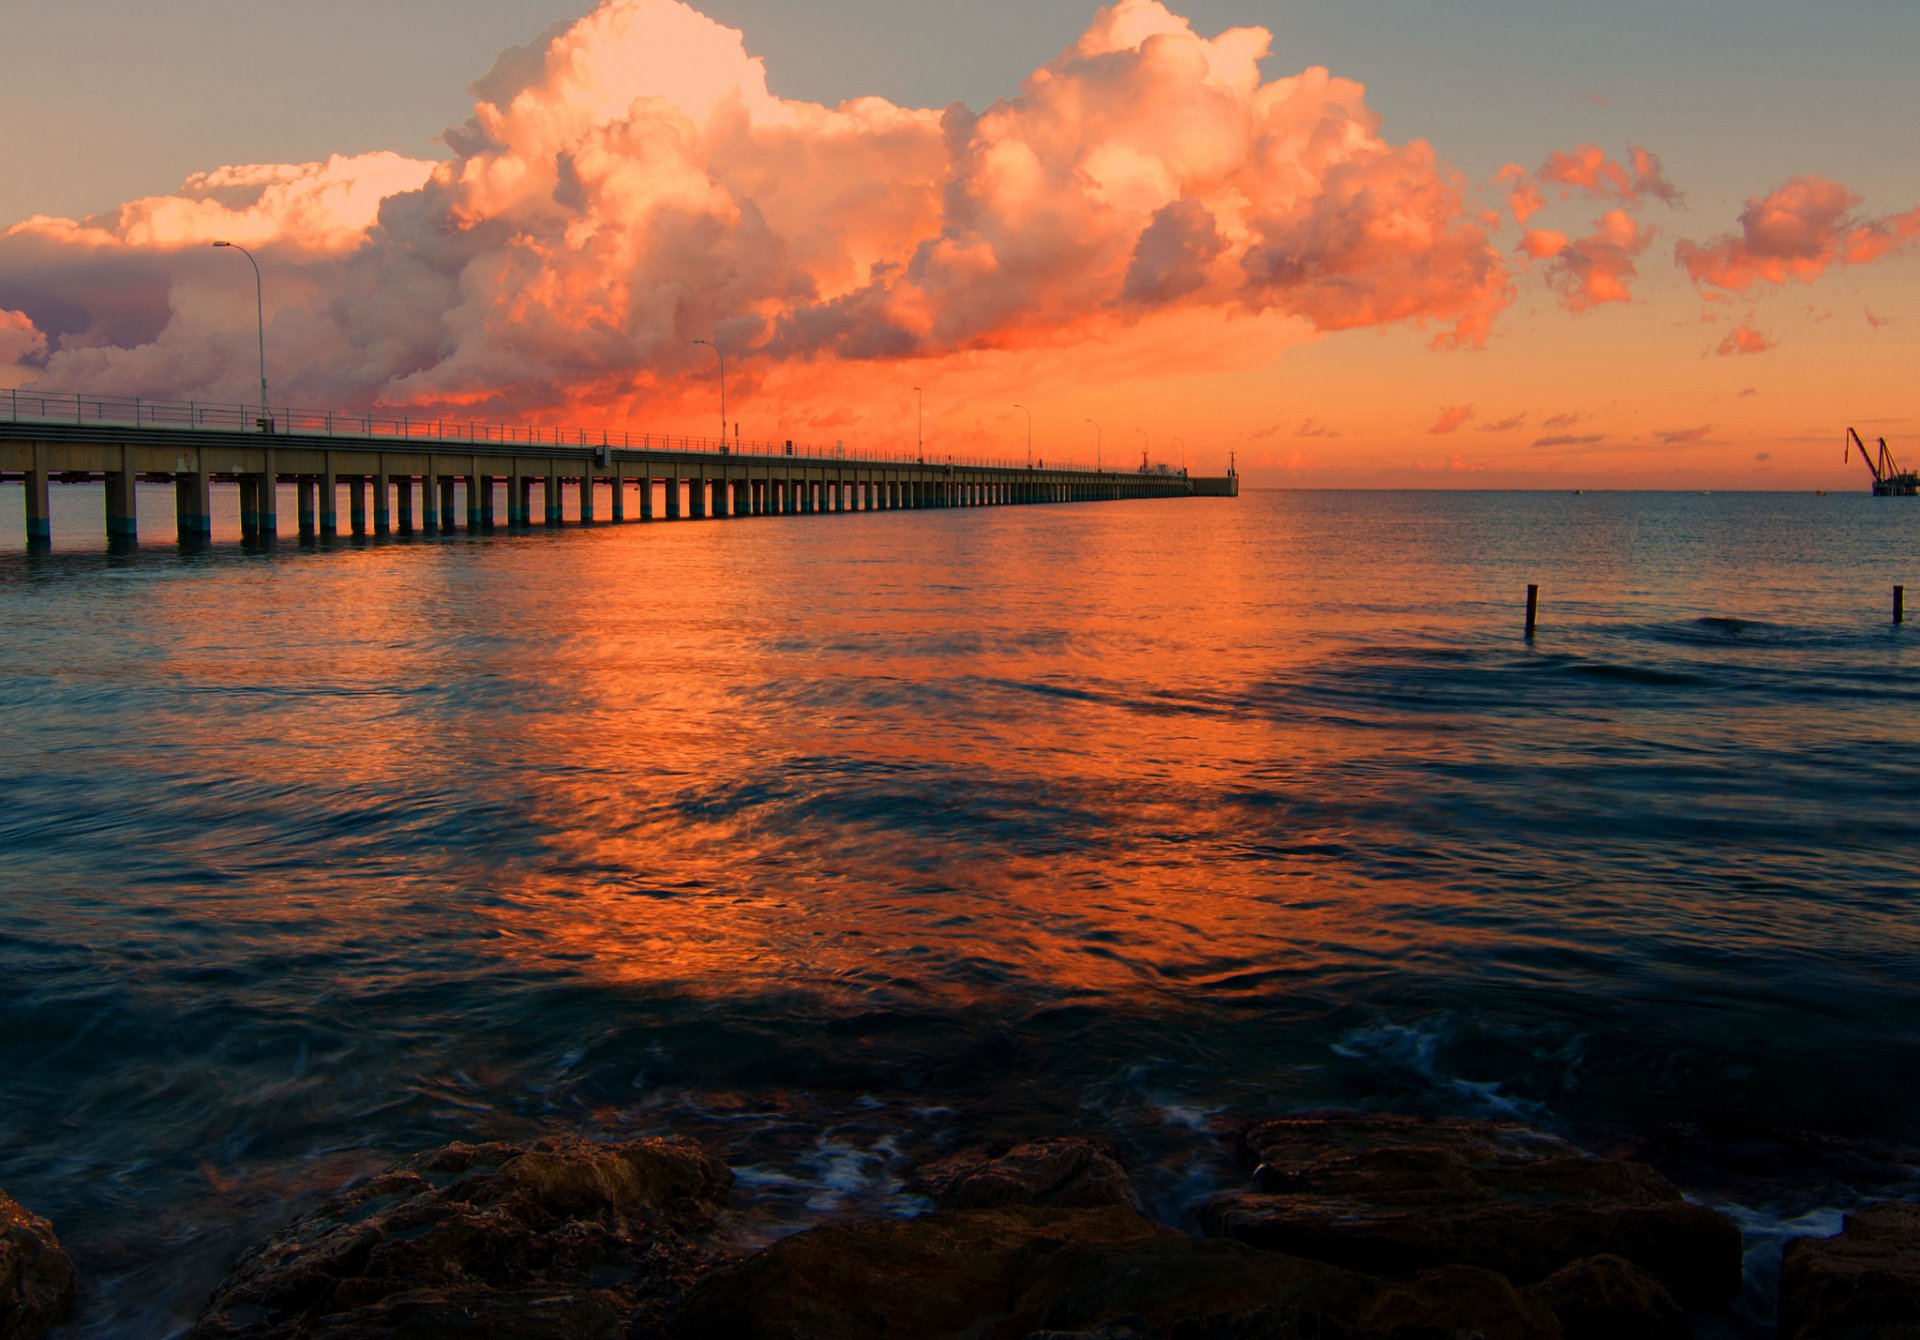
(1595, 269)
(19, 340)
(628, 181)
(1587, 170)
(1744, 339)
(1797, 233)
(1452, 417)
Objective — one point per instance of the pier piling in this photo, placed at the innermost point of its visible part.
(1533, 607)
(1899, 604)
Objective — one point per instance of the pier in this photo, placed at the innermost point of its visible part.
(403, 475)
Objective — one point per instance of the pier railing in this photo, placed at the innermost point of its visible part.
(34, 406)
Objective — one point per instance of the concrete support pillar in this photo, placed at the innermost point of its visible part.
(552, 509)
(670, 486)
(307, 492)
(357, 504)
(586, 498)
(429, 501)
(329, 497)
(516, 509)
(697, 498)
(123, 517)
(449, 500)
(382, 505)
(39, 513)
(269, 498)
(192, 508)
(619, 500)
(646, 496)
(249, 507)
(722, 504)
(479, 500)
(403, 503)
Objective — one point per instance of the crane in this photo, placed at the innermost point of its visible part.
(1889, 480)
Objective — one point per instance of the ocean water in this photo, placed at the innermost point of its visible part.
(841, 841)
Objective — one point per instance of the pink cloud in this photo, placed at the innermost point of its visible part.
(1542, 244)
(1798, 232)
(1749, 392)
(628, 182)
(1877, 321)
(1450, 420)
(19, 340)
(1744, 339)
(1599, 268)
(1524, 196)
(1308, 428)
(1588, 170)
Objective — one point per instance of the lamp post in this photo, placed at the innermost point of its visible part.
(1145, 447)
(1029, 435)
(260, 316)
(1183, 455)
(1096, 446)
(723, 389)
(920, 426)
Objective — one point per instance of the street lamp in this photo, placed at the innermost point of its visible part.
(1183, 454)
(920, 425)
(1096, 446)
(1029, 435)
(723, 389)
(1145, 447)
(260, 315)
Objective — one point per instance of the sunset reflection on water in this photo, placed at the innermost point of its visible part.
(839, 840)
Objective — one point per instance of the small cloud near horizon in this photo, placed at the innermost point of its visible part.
(1570, 440)
(1505, 425)
(1744, 339)
(1567, 420)
(1749, 392)
(1450, 420)
(1308, 428)
(1762, 455)
(1675, 436)
(1875, 320)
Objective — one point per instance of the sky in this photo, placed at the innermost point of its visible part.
(1371, 243)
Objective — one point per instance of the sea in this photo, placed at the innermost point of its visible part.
(841, 842)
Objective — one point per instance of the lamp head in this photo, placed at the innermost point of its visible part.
(223, 244)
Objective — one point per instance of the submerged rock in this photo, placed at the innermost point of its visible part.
(1863, 1282)
(1069, 1172)
(561, 1238)
(1604, 1297)
(1018, 1271)
(1389, 1195)
(36, 1279)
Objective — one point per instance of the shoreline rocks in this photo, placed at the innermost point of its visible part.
(36, 1278)
(1352, 1227)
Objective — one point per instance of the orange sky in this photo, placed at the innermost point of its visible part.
(1199, 243)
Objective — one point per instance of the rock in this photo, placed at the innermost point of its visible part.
(1391, 1195)
(1606, 1296)
(1067, 1173)
(563, 1238)
(36, 1279)
(1863, 1282)
(1014, 1272)
(1789, 1171)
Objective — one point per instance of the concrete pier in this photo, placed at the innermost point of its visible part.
(66, 439)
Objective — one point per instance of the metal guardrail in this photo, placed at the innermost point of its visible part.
(32, 406)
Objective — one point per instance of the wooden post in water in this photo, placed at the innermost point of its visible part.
(1533, 607)
(1899, 604)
